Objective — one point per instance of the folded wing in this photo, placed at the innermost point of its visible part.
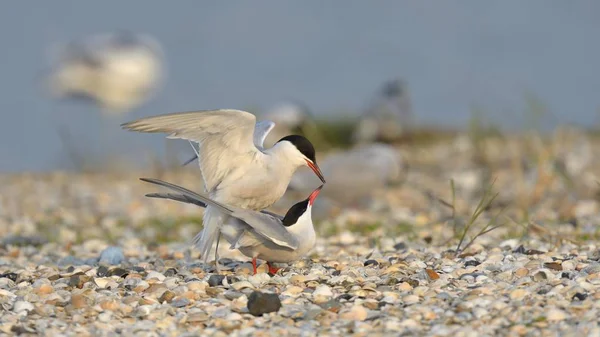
(265, 225)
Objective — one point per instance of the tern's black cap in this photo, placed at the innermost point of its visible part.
(303, 145)
(296, 211)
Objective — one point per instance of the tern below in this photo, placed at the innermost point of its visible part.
(258, 235)
(235, 168)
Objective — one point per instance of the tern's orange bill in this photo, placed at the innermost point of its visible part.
(316, 169)
(313, 195)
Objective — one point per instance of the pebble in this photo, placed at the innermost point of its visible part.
(322, 293)
(216, 280)
(21, 306)
(355, 313)
(366, 275)
(260, 303)
(112, 256)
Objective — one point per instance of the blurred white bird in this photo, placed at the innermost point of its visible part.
(118, 71)
(355, 174)
(387, 117)
(235, 171)
(258, 235)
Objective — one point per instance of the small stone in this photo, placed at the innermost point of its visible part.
(155, 275)
(518, 294)
(216, 280)
(356, 313)
(521, 272)
(102, 282)
(556, 315)
(118, 272)
(322, 293)
(579, 297)
(170, 272)
(77, 281)
(242, 285)
(553, 266)
(472, 263)
(180, 302)
(260, 303)
(410, 299)
(167, 296)
(540, 276)
(405, 286)
(371, 263)
(78, 301)
(568, 265)
(112, 256)
(20, 306)
(44, 289)
(432, 274)
(11, 276)
(102, 271)
(111, 305)
(331, 305)
(519, 250)
(293, 291)
(400, 246)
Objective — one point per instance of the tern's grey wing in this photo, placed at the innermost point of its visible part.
(261, 130)
(225, 137)
(177, 197)
(190, 200)
(265, 225)
(198, 197)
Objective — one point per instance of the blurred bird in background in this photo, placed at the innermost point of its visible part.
(354, 175)
(118, 71)
(388, 116)
(292, 117)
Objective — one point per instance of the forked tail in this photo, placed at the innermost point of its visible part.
(212, 221)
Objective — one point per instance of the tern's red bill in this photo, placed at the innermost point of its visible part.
(316, 169)
(313, 195)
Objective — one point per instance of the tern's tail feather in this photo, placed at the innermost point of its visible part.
(212, 222)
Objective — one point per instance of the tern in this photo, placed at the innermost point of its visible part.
(118, 70)
(258, 235)
(235, 168)
(388, 116)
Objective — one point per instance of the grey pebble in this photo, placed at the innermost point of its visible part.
(260, 303)
(180, 302)
(112, 255)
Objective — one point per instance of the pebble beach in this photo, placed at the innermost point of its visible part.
(485, 236)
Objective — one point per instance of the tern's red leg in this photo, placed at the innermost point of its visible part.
(254, 266)
(272, 269)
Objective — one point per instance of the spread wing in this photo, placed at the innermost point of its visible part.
(263, 224)
(225, 137)
(261, 130)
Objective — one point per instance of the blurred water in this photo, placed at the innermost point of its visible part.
(331, 55)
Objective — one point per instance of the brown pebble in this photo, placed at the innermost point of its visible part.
(44, 289)
(553, 265)
(521, 272)
(109, 305)
(167, 296)
(432, 274)
(78, 301)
